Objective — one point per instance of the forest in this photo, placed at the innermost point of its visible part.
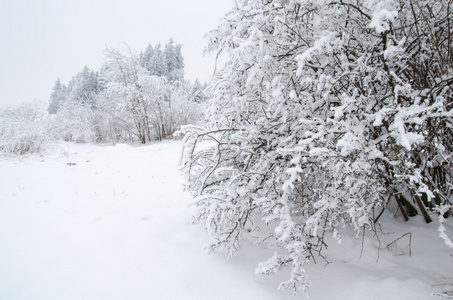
(135, 98)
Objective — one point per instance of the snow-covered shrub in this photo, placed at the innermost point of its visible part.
(183, 109)
(325, 112)
(23, 129)
(74, 122)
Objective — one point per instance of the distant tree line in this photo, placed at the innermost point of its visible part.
(134, 97)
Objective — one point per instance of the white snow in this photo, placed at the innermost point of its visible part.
(112, 222)
(381, 19)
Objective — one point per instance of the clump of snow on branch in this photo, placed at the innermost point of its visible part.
(444, 210)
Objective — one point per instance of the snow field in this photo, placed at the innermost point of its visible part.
(90, 222)
(112, 222)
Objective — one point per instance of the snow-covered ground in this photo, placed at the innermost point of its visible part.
(112, 222)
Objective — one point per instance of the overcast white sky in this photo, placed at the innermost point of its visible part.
(45, 39)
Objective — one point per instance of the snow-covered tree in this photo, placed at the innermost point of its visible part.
(83, 87)
(326, 111)
(123, 78)
(198, 92)
(167, 63)
(57, 97)
(174, 61)
(146, 56)
(74, 122)
(157, 65)
(135, 97)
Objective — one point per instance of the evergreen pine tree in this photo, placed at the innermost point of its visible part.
(174, 61)
(57, 97)
(158, 66)
(145, 57)
(82, 86)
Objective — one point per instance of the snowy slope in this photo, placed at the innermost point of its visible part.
(112, 222)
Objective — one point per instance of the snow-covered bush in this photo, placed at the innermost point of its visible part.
(74, 122)
(325, 112)
(23, 129)
(183, 107)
